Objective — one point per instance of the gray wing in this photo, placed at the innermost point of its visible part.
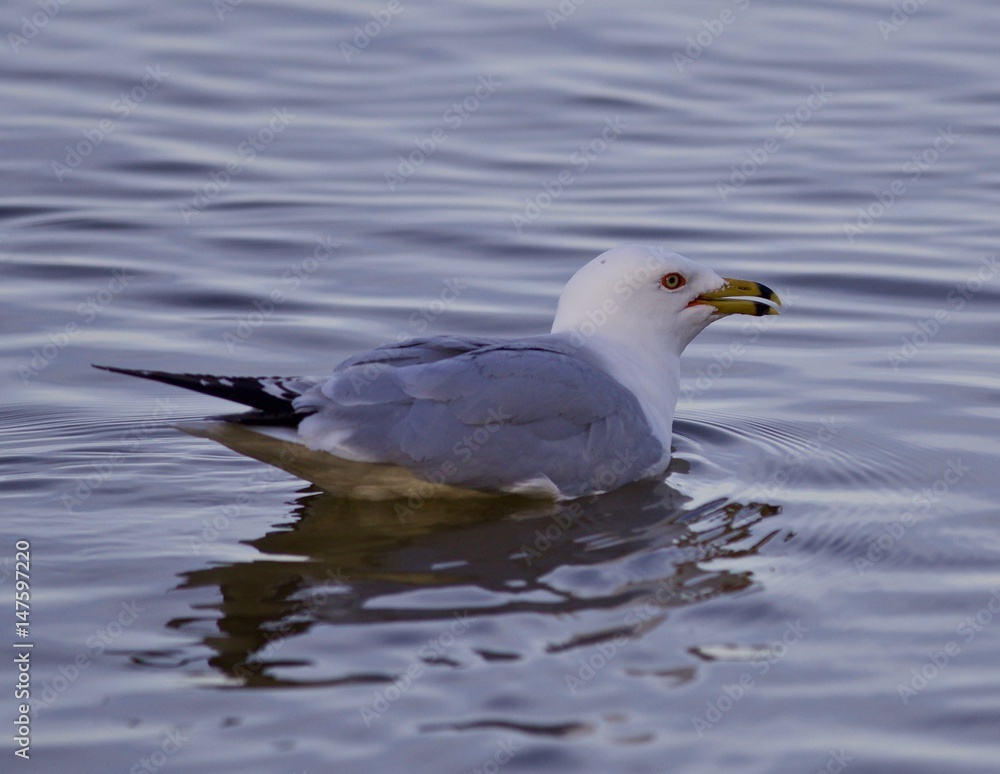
(423, 349)
(484, 414)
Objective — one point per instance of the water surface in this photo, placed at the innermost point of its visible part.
(263, 187)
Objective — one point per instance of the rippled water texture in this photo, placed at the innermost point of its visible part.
(263, 187)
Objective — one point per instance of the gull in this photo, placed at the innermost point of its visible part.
(579, 411)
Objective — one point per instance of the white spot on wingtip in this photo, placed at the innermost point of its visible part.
(274, 389)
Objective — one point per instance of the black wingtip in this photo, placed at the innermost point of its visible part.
(142, 373)
(116, 370)
(255, 392)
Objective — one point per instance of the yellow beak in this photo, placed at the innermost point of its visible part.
(736, 297)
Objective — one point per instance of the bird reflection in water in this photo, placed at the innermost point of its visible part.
(346, 562)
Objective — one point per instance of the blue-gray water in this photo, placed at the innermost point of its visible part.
(266, 187)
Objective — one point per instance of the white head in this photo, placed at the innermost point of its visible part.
(634, 309)
(636, 294)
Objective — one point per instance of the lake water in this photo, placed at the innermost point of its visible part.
(267, 188)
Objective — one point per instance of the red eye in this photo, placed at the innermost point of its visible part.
(673, 280)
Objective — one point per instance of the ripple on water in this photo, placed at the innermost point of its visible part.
(590, 634)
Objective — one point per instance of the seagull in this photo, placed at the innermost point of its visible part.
(580, 411)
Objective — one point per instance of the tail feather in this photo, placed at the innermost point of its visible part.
(272, 395)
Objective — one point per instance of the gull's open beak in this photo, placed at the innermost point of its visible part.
(737, 297)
